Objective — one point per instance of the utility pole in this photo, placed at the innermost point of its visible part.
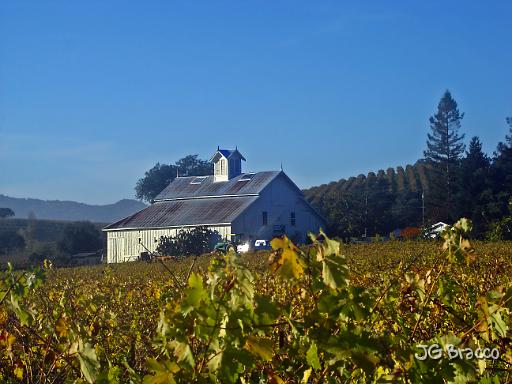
(423, 207)
(365, 212)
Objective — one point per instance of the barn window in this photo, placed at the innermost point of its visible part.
(292, 219)
(222, 167)
(247, 177)
(265, 218)
(198, 180)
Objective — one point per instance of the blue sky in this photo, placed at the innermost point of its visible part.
(94, 93)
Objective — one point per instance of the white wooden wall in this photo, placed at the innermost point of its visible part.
(124, 245)
(279, 200)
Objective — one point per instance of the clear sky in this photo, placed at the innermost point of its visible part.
(93, 93)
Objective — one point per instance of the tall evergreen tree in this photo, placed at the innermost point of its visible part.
(473, 184)
(502, 174)
(444, 149)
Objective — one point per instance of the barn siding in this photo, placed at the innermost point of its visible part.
(279, 199)
(123, 245)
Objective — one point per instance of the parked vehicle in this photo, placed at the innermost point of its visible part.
(228, 245)
(261, 245)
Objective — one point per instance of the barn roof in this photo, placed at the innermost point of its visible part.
(204, 186)
(163, 214)
(227, 153)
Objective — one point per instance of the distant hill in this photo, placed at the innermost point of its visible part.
(70, 210)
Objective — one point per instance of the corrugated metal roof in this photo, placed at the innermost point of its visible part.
(181, 187)
(186, 212)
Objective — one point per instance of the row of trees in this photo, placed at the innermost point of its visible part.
(466, 183)
(25, 243)
(449, 182)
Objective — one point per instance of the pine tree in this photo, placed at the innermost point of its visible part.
(502, 174)
(473, 186)
(444, 149)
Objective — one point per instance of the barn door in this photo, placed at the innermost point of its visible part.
(117, 251)
(120, 249)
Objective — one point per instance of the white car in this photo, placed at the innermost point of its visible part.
(257, 246)
(243, 248)
(260, 245)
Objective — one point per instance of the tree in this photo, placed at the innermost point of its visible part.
(157, 178)
(378, 206)
(501, 176)
(80, 237)
(444, 149)
(29, 231)
(471, 198)
(154, 181)
(10, 240)
(191, 165)
(406, 210)
(503, 160)
(6, 212)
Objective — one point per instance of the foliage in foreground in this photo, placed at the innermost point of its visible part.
(303, 320)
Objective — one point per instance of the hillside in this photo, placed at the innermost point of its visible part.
(379, 202)
(70, 210)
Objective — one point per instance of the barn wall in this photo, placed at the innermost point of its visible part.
(279, 200)
(124, 245)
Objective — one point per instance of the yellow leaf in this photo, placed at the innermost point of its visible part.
(61, 327)
(307, 373)
(274, 379)
(287, 263)
(260, 346)
(18, 372)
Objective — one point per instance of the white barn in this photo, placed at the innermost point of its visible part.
(253, 205)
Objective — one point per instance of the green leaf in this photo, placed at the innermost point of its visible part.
(333, 273)
(327, 248)
(312, 357)
(260, 347)
(183, 352)
(499, 325)
(194, 294)
(89, 364)
(215, 362)
(327, 276)
(464, 224)
(163, 372)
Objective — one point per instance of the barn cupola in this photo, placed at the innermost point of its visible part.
(227, 163)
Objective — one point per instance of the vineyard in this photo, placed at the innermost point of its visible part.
(328, 313)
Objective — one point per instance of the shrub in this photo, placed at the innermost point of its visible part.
(410, 233)
(80, 237)
(185, 243)
(10, 240)
(501, 230)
